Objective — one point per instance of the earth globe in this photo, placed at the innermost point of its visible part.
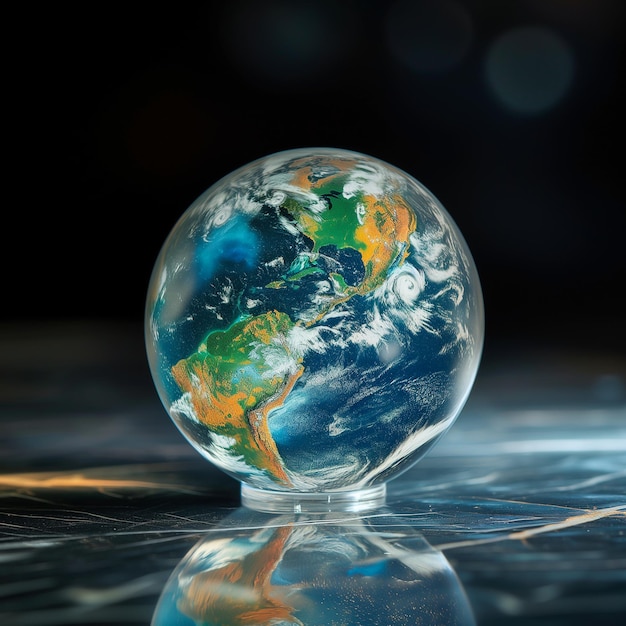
(314, 324)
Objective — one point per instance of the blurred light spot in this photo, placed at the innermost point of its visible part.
(529, 69)
(286, 41)
(389, 351)
(429, 36)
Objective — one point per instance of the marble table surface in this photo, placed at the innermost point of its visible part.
(517, 516)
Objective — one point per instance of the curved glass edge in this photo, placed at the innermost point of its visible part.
(267, 501)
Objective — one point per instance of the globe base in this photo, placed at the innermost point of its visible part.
(267, 501)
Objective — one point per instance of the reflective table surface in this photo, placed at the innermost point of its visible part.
(517, 516)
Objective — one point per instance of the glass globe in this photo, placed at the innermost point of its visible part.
(314, 324)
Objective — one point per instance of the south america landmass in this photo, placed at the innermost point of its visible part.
(232, 389)
(260, 601)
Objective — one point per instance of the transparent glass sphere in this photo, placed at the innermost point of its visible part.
(314, 323)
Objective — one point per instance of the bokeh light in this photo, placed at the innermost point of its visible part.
(529, 69)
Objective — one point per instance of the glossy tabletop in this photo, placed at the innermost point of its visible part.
(517, 516)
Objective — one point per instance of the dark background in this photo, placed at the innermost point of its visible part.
(512, 114)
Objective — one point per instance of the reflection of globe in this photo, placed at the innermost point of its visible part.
(314, 322)
(302, 570)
